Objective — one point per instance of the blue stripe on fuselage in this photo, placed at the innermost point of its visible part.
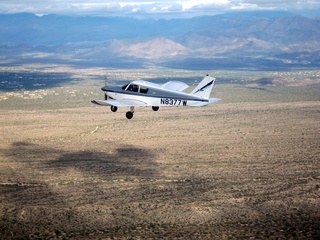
(154, 95)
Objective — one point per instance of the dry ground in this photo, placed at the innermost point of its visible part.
(231, 170)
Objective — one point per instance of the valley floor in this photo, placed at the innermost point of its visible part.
(231, 170)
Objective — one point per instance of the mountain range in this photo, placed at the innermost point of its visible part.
(264, 40)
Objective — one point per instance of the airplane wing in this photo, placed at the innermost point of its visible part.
(122, 103)
(175, 85)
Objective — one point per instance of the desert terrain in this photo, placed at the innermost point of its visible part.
(246, 167)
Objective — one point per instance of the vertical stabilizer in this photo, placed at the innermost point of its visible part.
(203, 90)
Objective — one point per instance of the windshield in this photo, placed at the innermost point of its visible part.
(125, 86)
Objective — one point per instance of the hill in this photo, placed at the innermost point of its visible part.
(246, 39)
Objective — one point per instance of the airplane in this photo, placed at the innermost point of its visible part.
(144, 93)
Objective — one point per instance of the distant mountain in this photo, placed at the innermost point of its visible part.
(155, 48)
(265, 39)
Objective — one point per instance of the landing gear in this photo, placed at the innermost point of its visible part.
(114, 108)
(154, 108)
(129, 114)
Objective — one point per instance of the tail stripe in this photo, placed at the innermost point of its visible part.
(204, 87)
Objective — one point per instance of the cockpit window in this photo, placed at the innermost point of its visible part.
(143, 89)
(135, 88)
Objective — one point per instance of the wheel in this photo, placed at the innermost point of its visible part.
(155, 108)
(114, 108)
(129, 115)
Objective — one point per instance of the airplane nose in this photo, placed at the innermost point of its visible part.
(109, 89)
(106, 89)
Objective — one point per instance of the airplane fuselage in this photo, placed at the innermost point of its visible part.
(151, 95)
(143, 93)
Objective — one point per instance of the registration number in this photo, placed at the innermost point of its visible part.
(173, 102)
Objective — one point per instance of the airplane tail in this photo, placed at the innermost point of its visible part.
(203, 91)
(204, 88)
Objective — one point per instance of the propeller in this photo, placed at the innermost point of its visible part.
(105, 83)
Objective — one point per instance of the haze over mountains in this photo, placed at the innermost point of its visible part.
(264, 40)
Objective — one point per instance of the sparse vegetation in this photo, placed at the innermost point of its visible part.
(245, 167)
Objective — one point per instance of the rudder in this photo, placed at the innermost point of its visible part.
(204, 88)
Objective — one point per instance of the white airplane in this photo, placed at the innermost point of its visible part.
(143, 93)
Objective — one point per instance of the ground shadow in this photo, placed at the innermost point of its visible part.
(44, 188)
(119, 160)
(37, 170)
(30, 81)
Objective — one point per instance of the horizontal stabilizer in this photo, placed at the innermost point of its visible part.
(175, 86)
(200, 104)
(212, 100)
